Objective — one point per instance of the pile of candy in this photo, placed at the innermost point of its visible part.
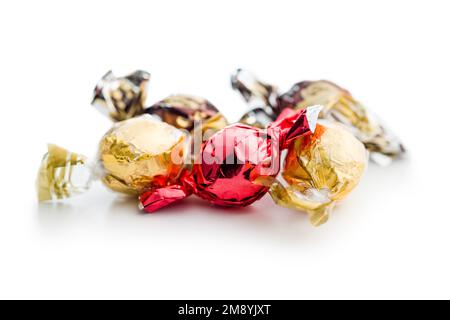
(316, 134)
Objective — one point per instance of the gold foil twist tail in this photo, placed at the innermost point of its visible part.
(254, 91)
(62, 174)
(121, 98)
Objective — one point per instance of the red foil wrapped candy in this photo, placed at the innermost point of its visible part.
(237, 165)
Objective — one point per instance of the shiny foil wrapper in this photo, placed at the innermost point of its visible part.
(137, 154)
(141, 153)
(234, 183)
(186, 111)
(62, 174)
(254, 91)
(121, 98)
(320, 170)
(339, 106)
(237, 165)
(258, 117)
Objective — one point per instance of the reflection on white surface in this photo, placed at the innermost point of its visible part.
(105, 237)
(192, 217)
(102, 210)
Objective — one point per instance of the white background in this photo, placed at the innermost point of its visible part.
(389, 239)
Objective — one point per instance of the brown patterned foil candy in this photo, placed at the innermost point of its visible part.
(339, 106)
(185, 111)
(123, 98)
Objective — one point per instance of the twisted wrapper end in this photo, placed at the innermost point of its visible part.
(155, 199)
(294, 124)
(254, 91)
(121, 98)
(285, 196)
(62, 174)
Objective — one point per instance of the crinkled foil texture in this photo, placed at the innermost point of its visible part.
(339, 106)
(240, 162)
(185, 111)
(254, 92)
(141, 153)
(121, 98)
(229, 174)
(319, 170)
(236, 166)
(258, 118)
(62, 174)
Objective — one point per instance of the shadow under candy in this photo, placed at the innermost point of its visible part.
(196, 217)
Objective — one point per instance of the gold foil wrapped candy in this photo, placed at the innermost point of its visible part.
(140, 153)
(121, 98)
(319, 170)
(135, 155)
(338, 106)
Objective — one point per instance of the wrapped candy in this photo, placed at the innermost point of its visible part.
(123, 98)
(142, 153)
(185, 111)
(338, 106)
(319, 170)
(237, 165)
(135, 155)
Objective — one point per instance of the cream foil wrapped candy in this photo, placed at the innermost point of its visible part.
(319, 170)
(135, 155)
